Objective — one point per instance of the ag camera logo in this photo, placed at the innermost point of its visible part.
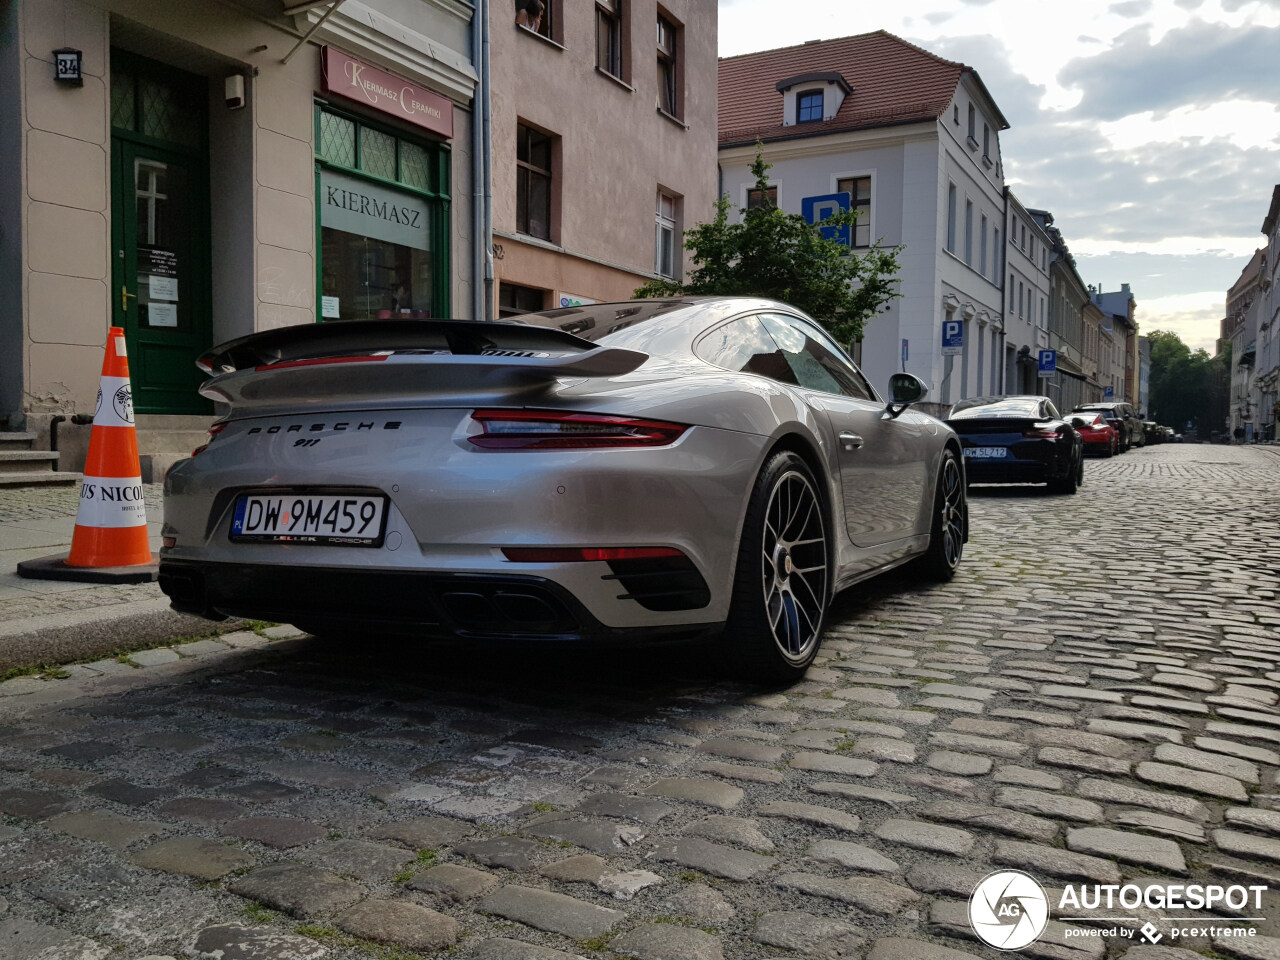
(1008, 910)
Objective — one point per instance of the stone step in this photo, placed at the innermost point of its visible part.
(10, 440)
(59, 478)
(27, 461)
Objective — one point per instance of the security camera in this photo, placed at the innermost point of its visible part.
(234, 91)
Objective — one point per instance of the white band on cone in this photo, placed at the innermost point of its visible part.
(115, 403)
(111, 502)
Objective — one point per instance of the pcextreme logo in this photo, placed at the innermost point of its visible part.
(1009, 910)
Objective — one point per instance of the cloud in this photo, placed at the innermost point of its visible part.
(1198, 64)
(940, 17)
(1189, 4)
(1130, 8)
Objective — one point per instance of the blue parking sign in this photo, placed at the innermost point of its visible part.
(1048, 366)
(816, 209)
(952, 338)
(1108, 393)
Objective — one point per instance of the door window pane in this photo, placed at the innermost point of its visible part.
(164, 281)
(814, 363)
(415, 166)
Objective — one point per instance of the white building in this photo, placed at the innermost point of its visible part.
(1026, 295)
(912, 141)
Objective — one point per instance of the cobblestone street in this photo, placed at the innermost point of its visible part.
(1093, 699)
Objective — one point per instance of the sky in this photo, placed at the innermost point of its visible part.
(1150, 129)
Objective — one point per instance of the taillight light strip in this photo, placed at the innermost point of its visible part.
(563, 430)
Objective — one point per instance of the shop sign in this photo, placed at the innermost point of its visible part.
(347, 77)
(370, 210)
(571, 300)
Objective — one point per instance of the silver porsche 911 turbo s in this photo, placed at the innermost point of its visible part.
(651, 469)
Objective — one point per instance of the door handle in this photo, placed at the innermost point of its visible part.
(850, 441)
(124, 298)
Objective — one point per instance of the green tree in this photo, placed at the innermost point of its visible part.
(781, 256)
(1186, 385)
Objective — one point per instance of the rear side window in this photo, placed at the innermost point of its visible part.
(744, 346)
(814, 360)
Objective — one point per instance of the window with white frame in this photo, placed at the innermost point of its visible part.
(982, 247)
(951, 218)
(968, 232)
(859, 191)
(666, 234)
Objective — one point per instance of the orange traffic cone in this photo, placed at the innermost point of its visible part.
(111, 523)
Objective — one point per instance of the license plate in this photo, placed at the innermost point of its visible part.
(986, 453)
(321, 519)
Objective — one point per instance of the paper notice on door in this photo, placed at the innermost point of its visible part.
(161, 314)
(163, 288)
(329, 308)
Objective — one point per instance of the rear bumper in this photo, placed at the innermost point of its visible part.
(1009, 470)
(423, 603)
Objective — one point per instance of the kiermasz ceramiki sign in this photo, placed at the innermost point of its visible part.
(1010, 910)
(385, 92)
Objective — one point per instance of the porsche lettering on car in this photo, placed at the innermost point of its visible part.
(681, 469)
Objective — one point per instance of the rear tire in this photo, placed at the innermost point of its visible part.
(1067, 484)
(782, 583)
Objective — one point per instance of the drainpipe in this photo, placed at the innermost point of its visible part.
(487, 179)
(478, 28)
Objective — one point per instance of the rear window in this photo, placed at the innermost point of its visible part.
(1013, 408)
(593, 321)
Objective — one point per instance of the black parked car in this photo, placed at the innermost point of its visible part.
(1132, 434)
(1019, 439)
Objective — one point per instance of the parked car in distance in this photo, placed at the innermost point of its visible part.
(1132, 435)
(679, 469)
(1099, 436)
(1019, 439)
(1152, 431)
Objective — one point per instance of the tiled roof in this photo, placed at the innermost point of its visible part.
(893, 82)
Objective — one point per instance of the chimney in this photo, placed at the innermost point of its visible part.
(1124, 288)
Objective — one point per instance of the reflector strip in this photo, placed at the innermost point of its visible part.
(584, 554)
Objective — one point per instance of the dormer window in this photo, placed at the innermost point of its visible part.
(812, 97)
(809, 106)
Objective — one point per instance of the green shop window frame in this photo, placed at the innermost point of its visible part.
(421, 168)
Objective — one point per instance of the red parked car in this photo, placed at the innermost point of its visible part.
(1099, 437)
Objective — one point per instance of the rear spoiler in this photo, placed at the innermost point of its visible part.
(537, 352)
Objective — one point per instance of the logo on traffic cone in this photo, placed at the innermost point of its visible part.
(111, 523)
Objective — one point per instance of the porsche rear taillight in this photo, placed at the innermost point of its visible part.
(1040, 433)
(554, 430)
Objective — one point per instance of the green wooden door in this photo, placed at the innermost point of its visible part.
(160, 232)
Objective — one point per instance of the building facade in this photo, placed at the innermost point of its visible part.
(1026, 295)
(604, 146)
(1239, 329)
(193, 172)
(1119, 309)
(1267, 378)
(910, 141)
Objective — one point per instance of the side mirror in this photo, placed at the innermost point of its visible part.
(904, 390)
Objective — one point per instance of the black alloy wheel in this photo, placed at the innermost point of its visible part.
(950, 517)
(782, 584)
